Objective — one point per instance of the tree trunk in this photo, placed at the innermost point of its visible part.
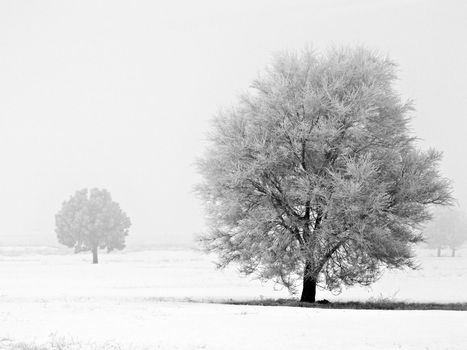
(309, 286)
(94, 255)
(453, 252)
(439, 252)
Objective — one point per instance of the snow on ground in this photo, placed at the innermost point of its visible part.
(174, 325)
(138, 300)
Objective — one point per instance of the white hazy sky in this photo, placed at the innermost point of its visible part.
(118, 94)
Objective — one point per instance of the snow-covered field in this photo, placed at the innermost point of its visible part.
(141, 300)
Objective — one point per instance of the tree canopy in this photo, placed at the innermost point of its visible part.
(313, 175)
(89, 220)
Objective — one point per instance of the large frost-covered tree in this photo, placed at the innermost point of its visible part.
(314, 177)
(90, 220)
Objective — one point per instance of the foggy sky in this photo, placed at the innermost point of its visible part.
(119, 94)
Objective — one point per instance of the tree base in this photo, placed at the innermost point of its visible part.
(309, 291)
(95, 260)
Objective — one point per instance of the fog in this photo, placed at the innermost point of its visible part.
(118, 95)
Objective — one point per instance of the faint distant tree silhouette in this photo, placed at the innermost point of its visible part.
(90, 220)
(447, 229)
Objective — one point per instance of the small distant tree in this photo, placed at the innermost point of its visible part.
(447, 229)
(314, 176)
(90, 220)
